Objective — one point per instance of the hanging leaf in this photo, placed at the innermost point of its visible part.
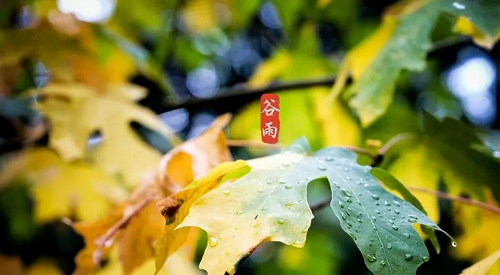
(269, 204)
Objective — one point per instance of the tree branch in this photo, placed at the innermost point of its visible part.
(243, 90)
(446, 196)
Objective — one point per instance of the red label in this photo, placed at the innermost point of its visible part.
(269, 118)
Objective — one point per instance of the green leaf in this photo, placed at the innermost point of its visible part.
(267, 204)
(394, 184)
(270, 204)
(458, 150)
(406, 49)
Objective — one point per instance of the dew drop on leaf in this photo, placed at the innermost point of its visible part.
(336, 184)
(346, 192)
(382, 263)
(341, 205)
(412, 220)
(375, 197)
(260, 190)
(454, 244)
(226, 192)
(329, 158)
(280, 221)
(408, 257)
(425, 259)
(288, 186)
(281, 181)
(371, 258)
(239, 212)
(213, 242)
(406, 235)
(389, 246)
(395, 227)
(322, 168)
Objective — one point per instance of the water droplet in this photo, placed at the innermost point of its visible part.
(359, 194)
(281, 181)
(371, 258)
(256, 224)
(395, 227)
(226, 192)
(388, 209)
(366, 185)
(376, 211)
(387, 203)
(343, 216)
(377, 203)
(352, 236)
(425, 259)
(341, 204)
(412, 220)
(260, 190)
(304, 231)
(280, 221)
(239, 212)
(336, 184)
(348, 178)
(396, 203)
(322, 168)
(227, 253)
(213, 242)
(347, 199)
(382, 263)
(347, 212)
(459, 6)
(349, 224)
(454, 244)
(374, 218)
(396, 211)
(375, 197)
(408, 257)
(413, 217)
(389, 246)
(406, 235)
(289, 204)
(329, 158)
(263, 209)
(360, 221)
(269, 182)
(346, 192)
(288, 186)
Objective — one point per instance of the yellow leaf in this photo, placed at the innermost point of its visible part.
(199, 16)
(139, 221)
(465, 26)
(270, 69)
(176, 207)
(62, 189)
(413, 168)
(76, 112)
(238, 216)
(482, 267)
(476, 240)
(338, 127)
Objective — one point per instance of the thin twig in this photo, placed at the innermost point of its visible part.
(251, 143)
(394, 140)
(449, 197)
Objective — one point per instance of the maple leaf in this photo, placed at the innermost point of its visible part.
(269, 203)
(76, 112)
(136, 224)
(61, 189)
(401, 43)
(482, 267)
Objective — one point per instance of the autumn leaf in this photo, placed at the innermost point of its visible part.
(136, 224)
(465, 26)
(76, 112)
(482, 267)
(61, 189)
(269, 204)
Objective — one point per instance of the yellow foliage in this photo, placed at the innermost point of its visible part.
(75, 112)
(482, 267)
(61, 189)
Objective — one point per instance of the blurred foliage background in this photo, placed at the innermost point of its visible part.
(73, 142)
